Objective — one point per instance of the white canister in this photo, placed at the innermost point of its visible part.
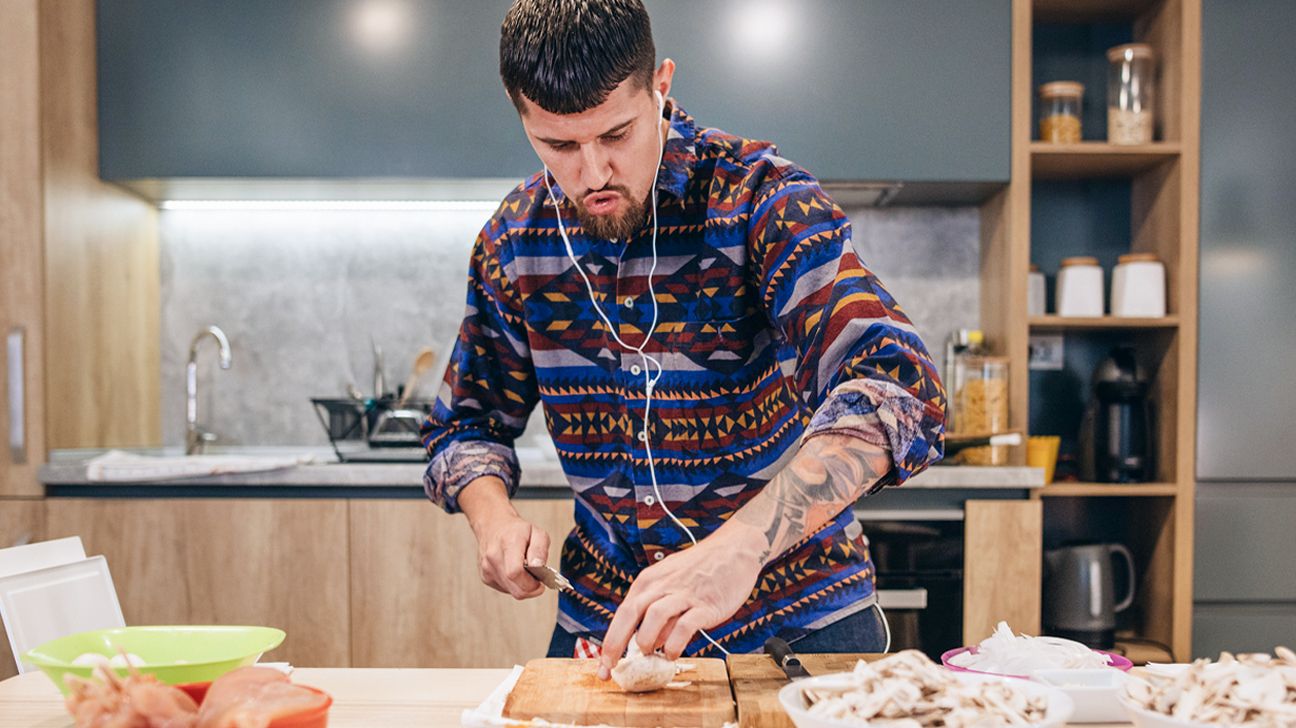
(1036, 292)
(1138, 286)
(1080, 287)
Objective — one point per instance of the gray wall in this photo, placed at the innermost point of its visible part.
(300, 294)
(1245, 585)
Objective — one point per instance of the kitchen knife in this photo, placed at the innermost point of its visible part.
(550, 577)
(785, 658)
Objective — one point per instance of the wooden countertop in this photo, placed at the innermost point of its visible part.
(361, 697)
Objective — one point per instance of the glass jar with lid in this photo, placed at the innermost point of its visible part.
(982, 406)
(1130, 93)
(1059, 108)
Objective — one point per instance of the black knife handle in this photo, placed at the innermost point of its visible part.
(782, 653)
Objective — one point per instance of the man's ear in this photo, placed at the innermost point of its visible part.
(663, 77)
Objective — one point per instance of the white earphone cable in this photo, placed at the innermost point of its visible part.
(886, 626)
(650, 379)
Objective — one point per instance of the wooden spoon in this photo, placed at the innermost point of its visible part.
(422, 363)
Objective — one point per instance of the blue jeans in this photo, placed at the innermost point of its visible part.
(862, 631)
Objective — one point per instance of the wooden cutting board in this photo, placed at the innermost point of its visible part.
(756, 681)
(569, 691)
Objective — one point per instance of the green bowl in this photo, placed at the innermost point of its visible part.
(176, 655)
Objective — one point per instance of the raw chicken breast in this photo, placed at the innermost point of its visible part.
(640, 673)
(251, 697)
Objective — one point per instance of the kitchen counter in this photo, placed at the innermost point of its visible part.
(361, 697)
(65, 473)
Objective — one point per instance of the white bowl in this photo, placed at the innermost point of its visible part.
(1095, 692)
(792, 700)
(1143, 718)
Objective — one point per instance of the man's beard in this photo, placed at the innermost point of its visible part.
(613, 227)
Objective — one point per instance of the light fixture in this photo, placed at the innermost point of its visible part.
(763, 29)
(324, 205)
(381, 26)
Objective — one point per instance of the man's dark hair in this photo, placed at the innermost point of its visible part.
(567, 55)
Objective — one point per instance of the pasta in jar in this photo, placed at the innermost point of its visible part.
(982, 407)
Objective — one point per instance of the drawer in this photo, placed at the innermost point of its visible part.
(1251, 525)
(1242, 628)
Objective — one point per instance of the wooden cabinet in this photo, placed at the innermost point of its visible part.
(365, 583)
(22, 432)
(78, 258)
(417, 599)
(22, 520)
(394, 583)
(851, 89)
(1001, 571)
(279, 563)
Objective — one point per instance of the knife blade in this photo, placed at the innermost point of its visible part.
(785, 658)
(550, 577)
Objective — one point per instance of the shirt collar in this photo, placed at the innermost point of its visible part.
(680, 154)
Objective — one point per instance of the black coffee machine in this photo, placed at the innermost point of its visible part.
(1116, 437)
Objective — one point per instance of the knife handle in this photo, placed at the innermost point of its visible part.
(781, 651)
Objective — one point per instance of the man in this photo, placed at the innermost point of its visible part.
(657, 271)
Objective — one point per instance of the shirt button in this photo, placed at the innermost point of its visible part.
(649, 500)
(643, 436)
(629, 302)
(658, 556)
(635, 370)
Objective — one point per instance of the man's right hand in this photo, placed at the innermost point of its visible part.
(505, 540)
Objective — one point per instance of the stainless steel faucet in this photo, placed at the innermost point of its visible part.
(196, 438)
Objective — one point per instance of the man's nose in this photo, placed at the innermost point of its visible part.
(596, 167)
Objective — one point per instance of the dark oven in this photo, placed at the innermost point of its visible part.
(919, 577)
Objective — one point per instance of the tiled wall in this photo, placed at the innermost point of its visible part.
(302, 295)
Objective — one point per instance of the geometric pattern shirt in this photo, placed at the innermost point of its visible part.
(770, 331)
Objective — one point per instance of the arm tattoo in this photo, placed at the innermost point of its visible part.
(826, 477)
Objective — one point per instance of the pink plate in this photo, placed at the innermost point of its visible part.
(1114, 660)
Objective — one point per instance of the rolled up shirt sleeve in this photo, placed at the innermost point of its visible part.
(860, 366)
(489, 387)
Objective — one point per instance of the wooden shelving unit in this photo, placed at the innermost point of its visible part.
(1105, 323)
(1155, 188)
(1097, 159)
(1098, 490)
(1089, 11)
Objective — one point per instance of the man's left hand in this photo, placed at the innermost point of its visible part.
(691, 590)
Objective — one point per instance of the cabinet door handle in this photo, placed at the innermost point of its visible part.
(17, 391)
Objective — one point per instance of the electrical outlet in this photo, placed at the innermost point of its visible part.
(1046, 352)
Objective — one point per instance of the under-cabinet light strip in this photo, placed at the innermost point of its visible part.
(361, 205)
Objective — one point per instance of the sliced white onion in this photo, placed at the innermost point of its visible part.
(1008, 654)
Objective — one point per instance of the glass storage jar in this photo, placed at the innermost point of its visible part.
(983, 407)
(1059, 108)
(1130, 93)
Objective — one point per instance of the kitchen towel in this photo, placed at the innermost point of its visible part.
(119, 466)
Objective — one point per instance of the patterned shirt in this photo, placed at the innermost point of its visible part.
(770, 331)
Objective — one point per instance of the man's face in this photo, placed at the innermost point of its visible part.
(605, 158)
